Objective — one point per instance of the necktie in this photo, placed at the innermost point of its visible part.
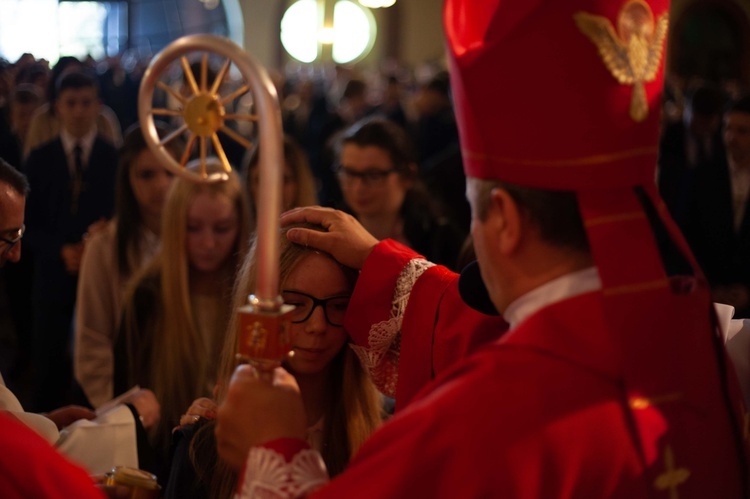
(77, 185)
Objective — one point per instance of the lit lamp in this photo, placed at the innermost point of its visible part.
(347, 31)
(376, 4)
(327, 36)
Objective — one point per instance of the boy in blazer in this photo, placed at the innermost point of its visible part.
(72, 181)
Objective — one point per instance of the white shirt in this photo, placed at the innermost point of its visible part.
(567, 286)
(69, 143)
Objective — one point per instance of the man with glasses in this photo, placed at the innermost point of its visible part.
(13, 191)
(12, 240)
(33, 468)
(20, 474)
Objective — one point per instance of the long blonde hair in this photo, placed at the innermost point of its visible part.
(355, 408)
(180, 370)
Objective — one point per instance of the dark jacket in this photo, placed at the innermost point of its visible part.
(50, 221)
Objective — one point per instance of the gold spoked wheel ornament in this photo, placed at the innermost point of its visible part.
(203, 115)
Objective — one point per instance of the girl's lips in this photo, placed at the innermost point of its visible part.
(311, 350)
(207, 258)
(361, 202)
(308, 351)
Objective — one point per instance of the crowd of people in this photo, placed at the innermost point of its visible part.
(126, 276)
(704, 173)
(594, 368)
(123, 232)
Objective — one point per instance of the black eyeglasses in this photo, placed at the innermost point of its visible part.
(371, 178)
(334, 308)
(16, 235)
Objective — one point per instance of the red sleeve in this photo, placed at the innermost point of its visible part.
(409, 322)
(372, 299)
(438, 330)
(30, 467)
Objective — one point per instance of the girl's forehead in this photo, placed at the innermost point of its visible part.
(206, 203)
(316, 271)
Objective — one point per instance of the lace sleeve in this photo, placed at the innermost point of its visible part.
(381, 356)
(269, 476)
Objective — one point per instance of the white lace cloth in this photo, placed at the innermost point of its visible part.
(269, 476)
(381, 355)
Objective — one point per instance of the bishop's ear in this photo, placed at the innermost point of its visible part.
(505, 220)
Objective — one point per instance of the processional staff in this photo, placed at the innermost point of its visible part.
(263, 337)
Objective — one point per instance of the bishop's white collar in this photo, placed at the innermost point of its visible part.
(567, 286)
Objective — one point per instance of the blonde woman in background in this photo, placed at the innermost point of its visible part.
(342, 405)
(176, 312)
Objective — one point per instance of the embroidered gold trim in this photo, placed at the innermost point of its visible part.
(620, 217)
(633, 54)
(586, 160)
(636, 288)
(672, 477)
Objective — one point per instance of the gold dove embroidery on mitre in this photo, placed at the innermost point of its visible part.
(634, 52)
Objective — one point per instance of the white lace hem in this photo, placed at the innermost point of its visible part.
(269, 476)
(381, 356)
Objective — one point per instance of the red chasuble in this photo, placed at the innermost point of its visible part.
(539, 411)
(625, 392)
(428, 295)
(29, 467)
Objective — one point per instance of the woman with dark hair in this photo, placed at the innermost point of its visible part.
(112, 256)
(299, 183)
(378, 174)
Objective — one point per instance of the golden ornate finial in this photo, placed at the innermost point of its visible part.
(258, 335)
(634, 52)
(672, 477)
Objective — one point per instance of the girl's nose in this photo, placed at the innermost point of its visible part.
(208, 239)
(316, 323)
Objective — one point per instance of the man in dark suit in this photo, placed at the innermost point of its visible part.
(688, 145)
(72, 182)
(718, 225)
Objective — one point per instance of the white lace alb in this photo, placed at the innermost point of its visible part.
(269, 476)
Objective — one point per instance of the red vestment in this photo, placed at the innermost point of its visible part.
(539, 412)
(621, 392)
(374, 322)
(30, 467)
